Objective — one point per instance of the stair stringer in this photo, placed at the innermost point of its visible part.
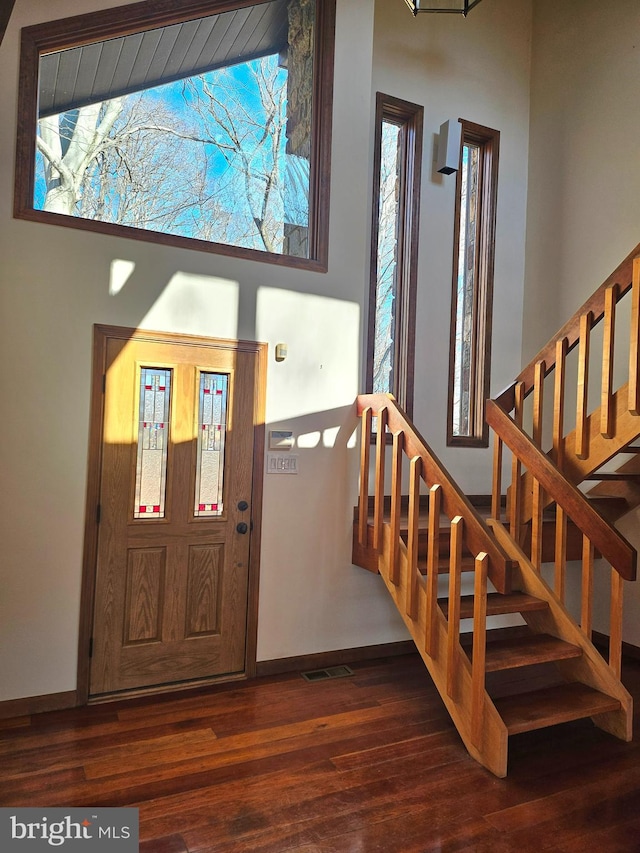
(591, 668)
(491, 748)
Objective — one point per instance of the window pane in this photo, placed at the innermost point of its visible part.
(394, 249)
(387, 259)
(153, 442)
(465, 296)
(212, 427)
(472, 286)
(201, 129)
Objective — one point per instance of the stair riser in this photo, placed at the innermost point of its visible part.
(497, 605)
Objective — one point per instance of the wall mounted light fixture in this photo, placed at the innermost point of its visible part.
(461, 7)
(448, 159)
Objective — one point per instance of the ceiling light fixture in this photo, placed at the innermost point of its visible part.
(460, 7)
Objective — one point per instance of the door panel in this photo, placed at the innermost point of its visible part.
(172, 568)
(204, 589)
(144, 602)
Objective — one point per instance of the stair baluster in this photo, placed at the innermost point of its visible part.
(382, 417)
(413, 523)
(582, 404)
(538, 494)
(478, 663)
(515, 492)
(365, 456)
(586, 604)
(607, 412)
(396, 499)
(558, 402)
(433, 559)
(634, 337)
(615, 623)
(453, 612)
(560, 554)
(496, 494)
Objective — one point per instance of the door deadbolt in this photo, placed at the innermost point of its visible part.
(243, 505)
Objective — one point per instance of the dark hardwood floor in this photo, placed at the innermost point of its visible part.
(365, 763)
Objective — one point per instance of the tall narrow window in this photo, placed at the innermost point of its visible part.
(394, 248)
(472, 297)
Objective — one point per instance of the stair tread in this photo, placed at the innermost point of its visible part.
(596, 498)
(525, 712)
(528, 650)
(631, 476)
(497, 604)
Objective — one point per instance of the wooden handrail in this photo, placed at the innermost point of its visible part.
(453, 501)
(596, 304)
(606, 539)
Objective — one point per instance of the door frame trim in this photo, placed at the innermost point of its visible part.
(101, 334)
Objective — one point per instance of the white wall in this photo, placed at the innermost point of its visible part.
(584, 197)
(55, 283)
(584, 178)
(476, 68)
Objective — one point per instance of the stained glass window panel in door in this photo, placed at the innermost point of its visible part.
(212, 428)
(153, 443)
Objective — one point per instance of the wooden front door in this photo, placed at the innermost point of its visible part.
(174, 533)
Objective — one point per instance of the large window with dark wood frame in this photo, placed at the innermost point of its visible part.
(394, 249)
(472, 296)
(205, 123)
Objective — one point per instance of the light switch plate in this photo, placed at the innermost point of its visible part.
(280, 463)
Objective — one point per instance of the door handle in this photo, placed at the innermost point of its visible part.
(242, 527)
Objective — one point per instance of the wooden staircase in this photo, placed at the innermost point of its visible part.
(450, 567)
